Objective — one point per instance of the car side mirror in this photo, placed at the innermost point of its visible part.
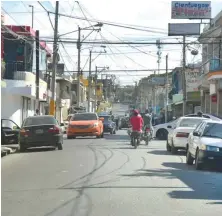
(196, 133)
(16, 128)
(169, 126)
(62, 124)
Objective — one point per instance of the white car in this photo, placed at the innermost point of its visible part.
(205, 144)
(177, 138)
(161, 131)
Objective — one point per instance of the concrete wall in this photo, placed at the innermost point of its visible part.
(16, 107)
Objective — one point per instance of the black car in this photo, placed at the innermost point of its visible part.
(108, 125)
(39, 131)
(124, 122)
(9, 132)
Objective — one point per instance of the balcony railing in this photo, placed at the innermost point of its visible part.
(20, 71)
(211, 66)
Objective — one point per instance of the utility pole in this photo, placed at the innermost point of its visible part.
(90, 80)
(96, 89)
(154, 95)
(78, 74)
(184, 76)
(166, 86)
(32, 15)
(37, 69)
(55, 60)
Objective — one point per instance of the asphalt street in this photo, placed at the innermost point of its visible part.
(104, 177)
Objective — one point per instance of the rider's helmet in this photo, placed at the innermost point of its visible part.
(146, 111)
(200, 114)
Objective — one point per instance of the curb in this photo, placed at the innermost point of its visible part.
(8, 150)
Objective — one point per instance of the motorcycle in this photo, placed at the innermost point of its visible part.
(135, 138)
(146, 135)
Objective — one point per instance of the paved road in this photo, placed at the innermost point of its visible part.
(92, 177)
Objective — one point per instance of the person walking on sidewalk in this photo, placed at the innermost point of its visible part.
(36, 112)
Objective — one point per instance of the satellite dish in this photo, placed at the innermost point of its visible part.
(194, 52)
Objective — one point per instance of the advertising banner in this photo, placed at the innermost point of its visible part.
(192, 79)
(180, 29)
(191, 10)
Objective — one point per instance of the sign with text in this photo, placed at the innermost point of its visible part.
(191, 10)
(192, 79)
(180, 29)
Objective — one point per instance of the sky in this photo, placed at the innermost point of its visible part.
(154, 15)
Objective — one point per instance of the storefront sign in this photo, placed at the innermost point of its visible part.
(192, 82)
(191, 10)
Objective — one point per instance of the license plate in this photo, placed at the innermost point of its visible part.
(39, 131)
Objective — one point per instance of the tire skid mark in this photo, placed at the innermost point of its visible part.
(116, 169)
(120, 177)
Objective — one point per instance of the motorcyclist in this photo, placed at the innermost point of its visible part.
(148, 121)
(137, 122)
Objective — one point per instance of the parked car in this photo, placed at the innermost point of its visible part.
(85, 124)
(205, 144)
(177, 138)
(40, 131)
(124, 122)
(161, 131)
(9, 132)
(108, 125)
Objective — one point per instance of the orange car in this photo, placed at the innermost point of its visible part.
(85, 124)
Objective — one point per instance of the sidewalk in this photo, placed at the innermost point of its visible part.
(9, 149)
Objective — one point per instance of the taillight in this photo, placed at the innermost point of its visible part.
(24, 132)
(181, 134)
(54, 130)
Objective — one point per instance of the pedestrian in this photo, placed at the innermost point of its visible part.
(36, 112)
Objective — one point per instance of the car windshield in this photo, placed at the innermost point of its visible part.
(40, 120)
(213, 130)
(84, 117)
(190, 122)
(106, 118)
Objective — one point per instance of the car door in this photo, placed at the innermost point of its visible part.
(191, 139)
(196, 139)
(171, 130)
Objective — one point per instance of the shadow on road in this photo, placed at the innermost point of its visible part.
(164, 152)
(34, 150)
(203, 185)
(115, 137)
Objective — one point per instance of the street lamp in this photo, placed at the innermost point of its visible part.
(32, 14)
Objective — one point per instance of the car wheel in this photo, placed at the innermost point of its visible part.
(111, 132)
(114, 132)
(173, 149)
(102, 135)
(168, 147)
(162, 134)
(198, 165)
(60, 147)
(189, 158)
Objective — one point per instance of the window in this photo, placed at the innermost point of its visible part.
(189, 122)
(213, 130)
(84, 117)
(40, 120)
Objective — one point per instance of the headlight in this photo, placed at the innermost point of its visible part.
(213, 148)
(95, 125)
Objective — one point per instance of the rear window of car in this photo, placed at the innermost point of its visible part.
(40, 120)
(190, 122)
(84, 117)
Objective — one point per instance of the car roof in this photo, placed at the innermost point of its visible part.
(185, 117)
(85, 113)
(213, 121)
